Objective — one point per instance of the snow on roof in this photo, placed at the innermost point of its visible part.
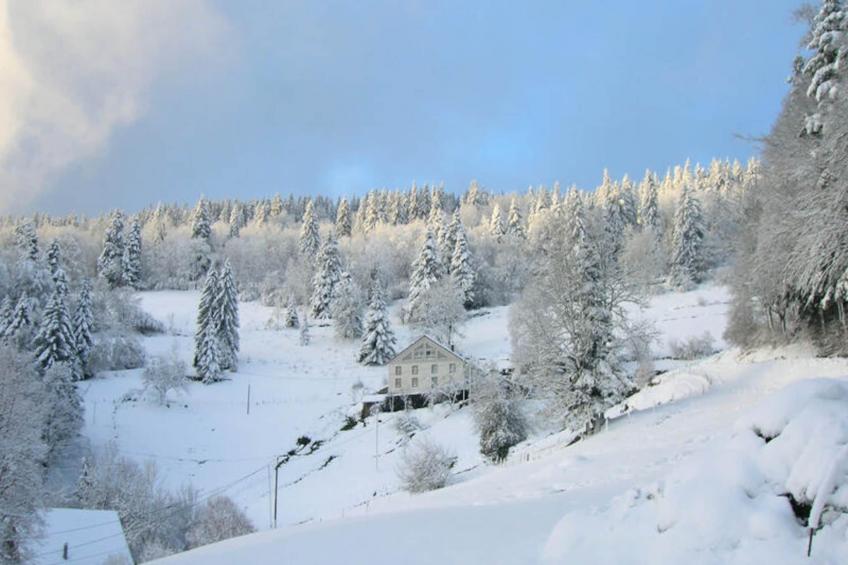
(93, 536)
(431, 340)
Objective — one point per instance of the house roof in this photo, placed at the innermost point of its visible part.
(92, 537)
(431, 340)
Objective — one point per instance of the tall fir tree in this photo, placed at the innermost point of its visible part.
(207, 315)
(54, 342)
(21, 318)
(228, 318)
(346, 308)
(236, 220)
(110, 262)
(426, 271)
(515, 225)
(54, 258)
(83, 323)
(7, 310)
(208, 356)
(496, 224)
(310, 238)
(131, 261)
(304, 337)
(687, 253)
(344, 225)
(378, 340)
(462, 267)
(26, 240)
(291, 319)
(325, 279)
(828, 44)
(201, 226)
(649, 211)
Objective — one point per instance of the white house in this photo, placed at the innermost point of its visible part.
(84, 537)
(424, 366)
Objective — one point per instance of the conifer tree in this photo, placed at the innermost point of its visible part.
(615, 221)
(208, 356)
(372, 213)
(346, 308)
(110, 262)
(131, 261)
(236, 220)
(292, 320)
(462, 269)
(447, 239)
(54, 342)
(325, 279)
(207, 315)
(54, 258)
(276, 206)
(378, 340)
(7, 309)
(304, 331)
(397, 209)
(201, 227)
(310, 238)
(343, 221)
(629, 208)
(412, 203)
(228, 318)
(82, 325)
(26, 240)
(21, 318)
(426, 271)
(687, 254)
(649, 213)
(515, 225)
(496, 223)
(827, 41)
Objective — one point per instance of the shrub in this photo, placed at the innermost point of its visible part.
(218, 519)
(425, 466)
(694, 347)
(165, 373)
(116, 353)
(497, 416)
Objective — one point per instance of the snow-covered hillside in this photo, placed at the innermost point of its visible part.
(338, 500)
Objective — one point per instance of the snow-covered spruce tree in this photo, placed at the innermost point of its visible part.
(201, 225)
(131, 261)
(378, 340)
(276, 206)
(496, 223)
(565, 329)
(110, 263)
(326, 278)
(26, 241)
(54, 258)
(396, 214)
(462, 267)
(227, 315)
(21, 318)
(7, 309)
(515, 224)
(497, 416)
(629, 208)
(60, 279)
(208, 356)
(54, 342)
(64, 416)
(372, 213)
(648, 215)
(236, 220)
(426, 271)
(447, 239)
(346, 308)
(305, 337)
(344, 224)
(829, 46)
(687, 257)
(291, 318)
(310, 238)
(82, 325)
(207, 314)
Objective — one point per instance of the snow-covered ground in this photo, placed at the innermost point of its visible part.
(340, 502)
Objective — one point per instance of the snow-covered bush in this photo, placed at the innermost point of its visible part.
(406, 423)
(165, 373)
(218, 519)
(694, 347)
(116, 353)
(497, 416)
(424, 466)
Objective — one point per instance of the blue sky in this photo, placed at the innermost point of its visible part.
(339, 97)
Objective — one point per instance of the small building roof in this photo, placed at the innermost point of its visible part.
(93, 536)
(417, 340)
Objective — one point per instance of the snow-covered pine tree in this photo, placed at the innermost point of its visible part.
(304, 331)
(236, 220)
(497, 416)
(276, 206)
(201, 226)
(426, 271)
(629, 208)
(54, 258)
(372, 213)
(207, 314)
(462, 267)
(228, 318)
(21, 318)
(687, 253)
(291, 320)
(344, 225)
(7, 309)
(346, 308)
(515, 224)
(496, 223)
(263, 213)
(131, 260)
(63, 404)
(447, 241)
(208, 356)
(325, 279)
(649, 211)
(26, 240)
(378, 340)
(82, 325)
(110, 262)
(615, 221)
(310, 238)
(412, 203)
(54, 342)
(828, 43)
(397, 209)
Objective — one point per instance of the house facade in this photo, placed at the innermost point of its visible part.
(425, 366)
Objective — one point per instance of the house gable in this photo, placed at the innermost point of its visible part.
(425, 349)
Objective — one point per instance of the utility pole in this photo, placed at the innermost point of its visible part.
(375, 411)
(279, 464)
(248, 399)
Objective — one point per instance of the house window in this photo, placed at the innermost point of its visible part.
(434, 369)
(452, 368)
(398, 383)
(415, 369)
(398, 370)
(434, 381)
(428, 353)
(414, 382)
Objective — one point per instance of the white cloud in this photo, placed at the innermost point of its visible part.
(71, 71)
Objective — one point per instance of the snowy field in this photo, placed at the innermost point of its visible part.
(338, 499)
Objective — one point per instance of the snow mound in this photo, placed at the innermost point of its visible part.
(731, 503)
(668, 387)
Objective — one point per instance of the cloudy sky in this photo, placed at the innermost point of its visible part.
(109, 104)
